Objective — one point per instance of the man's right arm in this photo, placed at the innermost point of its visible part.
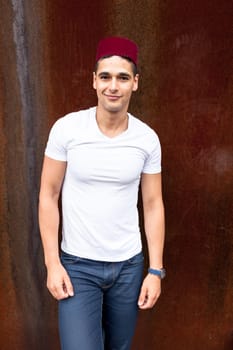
(58, 281)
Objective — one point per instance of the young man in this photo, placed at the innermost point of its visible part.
(97, 158)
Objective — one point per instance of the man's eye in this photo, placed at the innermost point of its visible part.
(104, 77)
(124, 77)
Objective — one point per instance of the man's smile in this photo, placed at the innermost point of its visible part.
(112, 97)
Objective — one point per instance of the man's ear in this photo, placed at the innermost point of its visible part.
(94, 80)
(136, 78)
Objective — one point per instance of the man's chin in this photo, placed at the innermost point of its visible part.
(113, 109)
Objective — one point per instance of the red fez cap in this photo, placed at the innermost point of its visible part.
(117, 46)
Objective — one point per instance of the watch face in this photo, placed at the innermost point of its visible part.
(163, 273)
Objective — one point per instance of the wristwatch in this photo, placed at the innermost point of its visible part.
(160, 272)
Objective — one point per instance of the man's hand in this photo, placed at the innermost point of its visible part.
(58, 282)
(150, 292)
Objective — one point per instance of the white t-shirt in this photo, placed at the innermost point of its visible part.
(100, 189)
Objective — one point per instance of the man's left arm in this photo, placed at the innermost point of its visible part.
(154, 224)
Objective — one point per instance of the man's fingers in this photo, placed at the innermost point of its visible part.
(58, 291)
(147, 302)
(68, 287)
(142, 297)
(150, 292)
(61, 287)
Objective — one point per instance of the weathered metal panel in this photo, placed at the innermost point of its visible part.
(193, 115)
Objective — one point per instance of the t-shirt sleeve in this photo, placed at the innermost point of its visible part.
(153, 162)
(56, 145)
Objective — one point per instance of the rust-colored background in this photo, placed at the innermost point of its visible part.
(47, 53)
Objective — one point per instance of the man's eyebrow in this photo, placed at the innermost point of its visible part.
(104, 73)
(124, 74)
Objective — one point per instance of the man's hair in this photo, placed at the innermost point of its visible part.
(134, 67)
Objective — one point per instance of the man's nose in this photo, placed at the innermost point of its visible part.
(113, 84)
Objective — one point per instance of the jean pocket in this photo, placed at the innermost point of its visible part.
(68, 258)
(136, 259)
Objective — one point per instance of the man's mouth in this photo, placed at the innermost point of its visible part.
(112, 97)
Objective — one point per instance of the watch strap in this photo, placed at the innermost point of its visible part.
(160, 272)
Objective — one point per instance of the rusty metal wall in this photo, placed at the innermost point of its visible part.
(47, 53)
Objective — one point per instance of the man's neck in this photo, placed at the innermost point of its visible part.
(111, 124)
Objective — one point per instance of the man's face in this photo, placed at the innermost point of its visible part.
(114, 82)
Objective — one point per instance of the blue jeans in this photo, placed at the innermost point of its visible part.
(102, 314)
